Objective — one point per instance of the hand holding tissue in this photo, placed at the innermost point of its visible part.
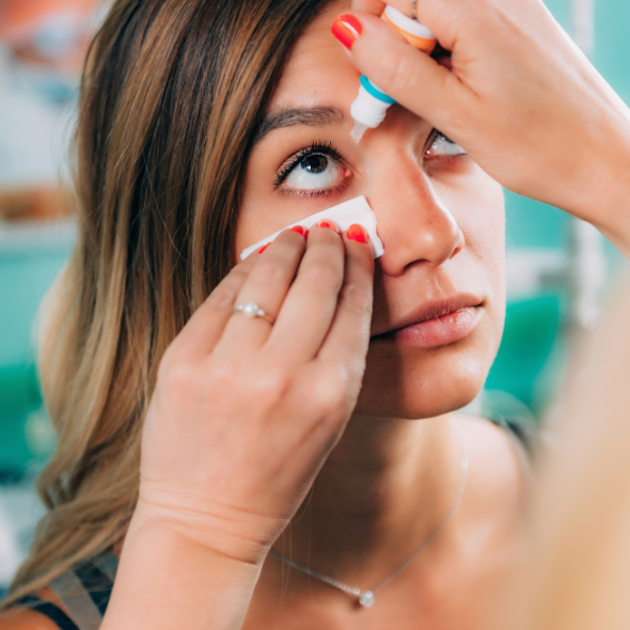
(345, 214)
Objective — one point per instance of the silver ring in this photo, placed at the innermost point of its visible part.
(413, 9)
(251, 309)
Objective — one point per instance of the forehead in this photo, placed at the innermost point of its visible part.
(318, 71)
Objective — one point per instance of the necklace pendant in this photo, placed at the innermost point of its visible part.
(366, 599)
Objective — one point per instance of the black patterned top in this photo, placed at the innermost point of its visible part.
(85, 590)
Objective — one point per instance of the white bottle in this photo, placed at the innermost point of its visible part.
(369, 108)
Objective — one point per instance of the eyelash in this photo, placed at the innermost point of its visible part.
(327, 149)
(435, 135)
(317, 148)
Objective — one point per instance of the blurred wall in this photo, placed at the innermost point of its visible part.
(529, 364)
(37, 234)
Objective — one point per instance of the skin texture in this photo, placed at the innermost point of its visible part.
(546, 126)
(442, 225)
(441, 221)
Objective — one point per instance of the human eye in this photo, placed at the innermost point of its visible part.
(314, 171)
(441, 146)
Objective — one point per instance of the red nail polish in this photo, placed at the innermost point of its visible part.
(263, 248)
(299, 229)
(329, 226)
(357, 233)
(306, 233)
(346, 28)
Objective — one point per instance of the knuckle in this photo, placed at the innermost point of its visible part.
(176, 375)
(331, 397)
(323, 273)
(223, 373)
(354, 298)
(222, 297)
(402, 73)
(270, 272)
(271, 384)
(388, 70)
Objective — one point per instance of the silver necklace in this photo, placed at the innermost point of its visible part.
(367, 598)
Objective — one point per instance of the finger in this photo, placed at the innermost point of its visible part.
(202, 331)
(266, 285)
(445, 19)
(349, 336)
(414, 79)
(375, 7)
(310, 305)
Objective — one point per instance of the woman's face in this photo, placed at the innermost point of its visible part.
(440, 218)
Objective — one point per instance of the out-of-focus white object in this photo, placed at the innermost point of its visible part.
(53, 35)
(37, 90)
(587, 262)
(345, 214)
(20, 510)
(9, 553)
(583, 15)
(587, 273)
(33, 132)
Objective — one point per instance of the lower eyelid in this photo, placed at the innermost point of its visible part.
(319, 192)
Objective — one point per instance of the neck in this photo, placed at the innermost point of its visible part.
(384, 490)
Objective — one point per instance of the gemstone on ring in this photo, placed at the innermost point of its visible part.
(250, 309)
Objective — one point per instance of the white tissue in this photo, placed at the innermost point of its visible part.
(355, 210)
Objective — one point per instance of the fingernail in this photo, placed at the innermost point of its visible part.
(306, 233)
(263, 248)
(328, 225)
(299, 229)
(346, 28)
(357, 233)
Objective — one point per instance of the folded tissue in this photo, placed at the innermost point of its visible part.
(355, 210)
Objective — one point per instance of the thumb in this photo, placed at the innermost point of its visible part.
(414, 79)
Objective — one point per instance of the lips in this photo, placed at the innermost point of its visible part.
(437, 323)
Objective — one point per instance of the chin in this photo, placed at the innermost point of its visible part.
(441, 381)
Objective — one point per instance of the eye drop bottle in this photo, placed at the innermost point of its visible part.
(371, 105)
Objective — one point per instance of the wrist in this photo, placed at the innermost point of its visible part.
(168, 580)
(600, 188)
(211, 531)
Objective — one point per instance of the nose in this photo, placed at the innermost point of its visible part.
(414, 225)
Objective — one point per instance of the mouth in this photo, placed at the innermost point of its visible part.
(436, 324)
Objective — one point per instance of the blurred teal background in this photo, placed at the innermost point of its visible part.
(521, 382)
(27, 270)
(530, 359)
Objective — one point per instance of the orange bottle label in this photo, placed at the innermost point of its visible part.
(425, 45)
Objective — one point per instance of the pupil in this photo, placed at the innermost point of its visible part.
(314, 163)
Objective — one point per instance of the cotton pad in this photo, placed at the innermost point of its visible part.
(356, 210)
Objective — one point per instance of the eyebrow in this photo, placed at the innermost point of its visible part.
(308, 116)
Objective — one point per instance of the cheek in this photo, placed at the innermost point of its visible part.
(479, 209)
(428, 383)
(482, 222)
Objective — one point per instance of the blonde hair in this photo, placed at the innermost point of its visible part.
(171, 97)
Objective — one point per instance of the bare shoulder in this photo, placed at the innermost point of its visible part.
(24, 619)
(20, 618)
(497, 474)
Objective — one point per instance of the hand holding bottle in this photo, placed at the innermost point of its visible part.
(517, 94)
